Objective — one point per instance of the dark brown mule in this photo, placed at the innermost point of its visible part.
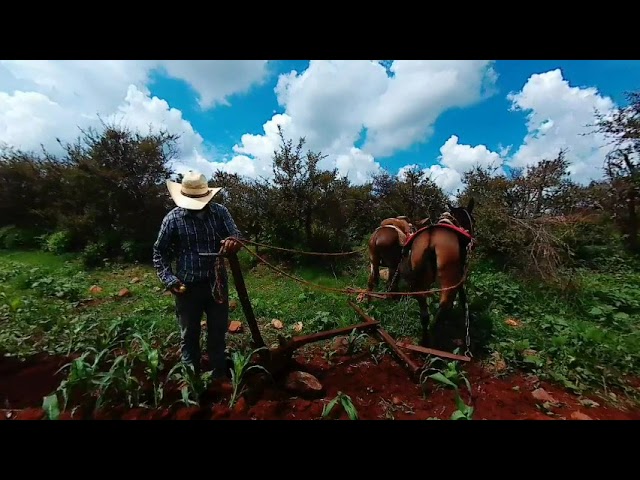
(385, 249)
(439, 251)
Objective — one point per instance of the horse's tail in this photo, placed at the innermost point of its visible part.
(431, 259)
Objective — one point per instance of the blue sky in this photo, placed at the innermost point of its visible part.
(489, 122)
(329, 103)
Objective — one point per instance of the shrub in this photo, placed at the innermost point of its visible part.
(94, 254)
(58, 242)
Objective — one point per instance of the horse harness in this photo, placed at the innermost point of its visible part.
(402, 236)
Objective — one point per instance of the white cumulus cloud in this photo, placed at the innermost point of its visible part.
(43, 100)
(454, 160)
(356, 112)
(558, 117)
(332, 102)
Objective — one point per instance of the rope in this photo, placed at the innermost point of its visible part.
(218, 293)
(327, 254)
(350, 291)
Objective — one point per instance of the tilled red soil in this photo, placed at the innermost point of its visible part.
(378, 391)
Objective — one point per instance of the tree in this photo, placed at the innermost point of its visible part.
(622, 166)
(115, 186)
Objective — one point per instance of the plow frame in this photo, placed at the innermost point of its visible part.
(276, 359)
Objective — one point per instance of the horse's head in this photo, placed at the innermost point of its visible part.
(464, 216)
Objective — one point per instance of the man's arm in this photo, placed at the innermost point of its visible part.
(163, 252)
(229, 224)
(232, 230)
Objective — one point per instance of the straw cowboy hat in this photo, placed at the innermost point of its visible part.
(193, 193)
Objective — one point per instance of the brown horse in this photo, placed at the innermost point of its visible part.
(385, 249)
(439, 251)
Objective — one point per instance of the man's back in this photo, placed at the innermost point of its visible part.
(190, 238)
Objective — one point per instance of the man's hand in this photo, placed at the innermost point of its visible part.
(178, 288)
(230, 246)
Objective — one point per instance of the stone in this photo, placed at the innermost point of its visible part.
(384, 274)
(235, 326)
(303, 384)
(124, 293)
(580, 416)
(340, 345)
(542, 395)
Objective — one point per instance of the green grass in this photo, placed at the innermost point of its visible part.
(585, 337)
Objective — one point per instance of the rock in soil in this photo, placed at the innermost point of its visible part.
(303, 384)
(235, 326)
(580, 416)
(340, 345)
(542, 395)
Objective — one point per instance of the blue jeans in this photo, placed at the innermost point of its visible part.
(190, 307)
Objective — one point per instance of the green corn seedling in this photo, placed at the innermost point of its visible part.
(82, 375)
(354, 340)
(347, 405)
(464, 411)
(240, 368)
(120, 380)
(51, 407)
(193, 386)
(451, 376)
(153, 366)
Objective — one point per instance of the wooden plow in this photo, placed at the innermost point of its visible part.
(276, 360)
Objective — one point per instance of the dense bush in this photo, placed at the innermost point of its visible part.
(106, 196)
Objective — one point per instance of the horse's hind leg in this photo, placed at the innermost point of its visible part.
(394, 274)
(374, 276)
(449, 276)
(439, 324)
(422, 283)
(420, 275)
(462, 296)
(424, 320)
(374, 272)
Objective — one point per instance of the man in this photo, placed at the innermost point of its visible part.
(193, 233)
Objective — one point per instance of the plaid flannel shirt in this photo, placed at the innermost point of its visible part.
(184, 237)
